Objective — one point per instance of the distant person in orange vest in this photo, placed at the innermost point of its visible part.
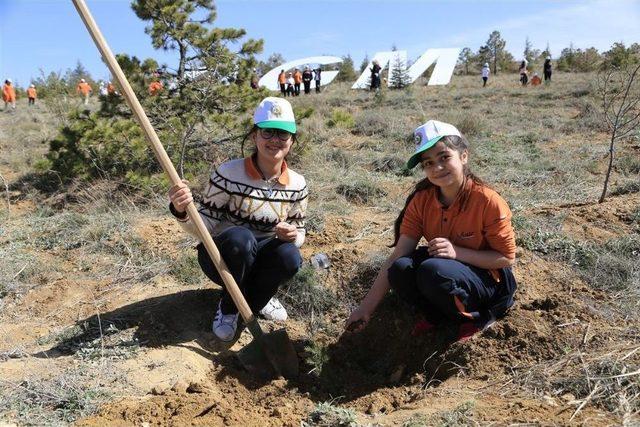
(155, 87)
(282, 81)
(535, 80)
(32, 94)
(85, 90)
(9, 95)
(297, 79)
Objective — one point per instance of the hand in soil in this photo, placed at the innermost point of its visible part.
(357, 321)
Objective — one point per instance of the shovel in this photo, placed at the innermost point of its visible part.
(267, 355)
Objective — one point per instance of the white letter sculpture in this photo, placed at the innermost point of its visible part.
(270, 80)
(445, 60)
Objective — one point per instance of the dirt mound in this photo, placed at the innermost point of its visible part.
(384, 369)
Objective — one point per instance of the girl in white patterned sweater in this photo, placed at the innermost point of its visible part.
(254, 209)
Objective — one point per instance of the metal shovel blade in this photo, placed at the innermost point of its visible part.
(269, 355)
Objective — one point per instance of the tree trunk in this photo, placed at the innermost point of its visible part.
(495, 62)
(606, 179)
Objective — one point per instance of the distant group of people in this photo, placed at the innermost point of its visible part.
(289, 83)
(524, 73)
(83, 89)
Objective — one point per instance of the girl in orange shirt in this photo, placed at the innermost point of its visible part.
(463, 272)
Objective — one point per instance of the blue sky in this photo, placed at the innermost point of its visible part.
(48, 34)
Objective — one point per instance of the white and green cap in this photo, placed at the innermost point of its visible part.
(427, 135)
(275, 113)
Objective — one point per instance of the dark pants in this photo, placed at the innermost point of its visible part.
(375, 82)
(307, 86)
(317, 86)
(32, 101)
(524, 79)
(282, 89)
(258, 266)
(547, 76)
(430, 285)
(290, 90)
(297, 89)
(484, 81)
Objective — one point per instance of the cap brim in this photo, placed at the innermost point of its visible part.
(275, 124)
(415, 158)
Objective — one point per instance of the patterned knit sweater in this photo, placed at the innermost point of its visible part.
(237, 195)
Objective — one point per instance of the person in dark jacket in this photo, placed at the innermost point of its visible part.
(375, 75)
(307, 76)
(547, 70)
(524, 74)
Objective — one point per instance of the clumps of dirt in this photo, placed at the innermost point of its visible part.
(597, 222)
(221, 402)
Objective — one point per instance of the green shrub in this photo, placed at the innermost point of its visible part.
(318, 356)
(342, 119)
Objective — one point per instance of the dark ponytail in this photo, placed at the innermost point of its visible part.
(460, 144)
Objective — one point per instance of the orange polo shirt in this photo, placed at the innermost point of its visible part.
(8, 93)
(83, 88)
(282, 78)
(297, 77)
(31, 92)
(481, 222)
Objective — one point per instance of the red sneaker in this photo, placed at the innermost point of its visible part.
(421, 327)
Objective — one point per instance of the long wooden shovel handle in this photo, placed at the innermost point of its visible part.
(163, 158)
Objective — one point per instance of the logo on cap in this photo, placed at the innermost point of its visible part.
(418, 139)
(276, 110)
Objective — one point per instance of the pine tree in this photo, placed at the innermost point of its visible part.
(274, 60)
(465, 59)
(399, 76)
(364, 63)
(206, 109)
(528, 50)
(184, 26)
(347, 73)
(496, 45)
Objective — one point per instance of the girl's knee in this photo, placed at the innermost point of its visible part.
(237, 241)
(399, 270)
(288, 257)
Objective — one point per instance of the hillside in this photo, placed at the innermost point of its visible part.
(105, 315)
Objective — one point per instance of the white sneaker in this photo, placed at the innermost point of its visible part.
(274, 310)
(225, 325)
